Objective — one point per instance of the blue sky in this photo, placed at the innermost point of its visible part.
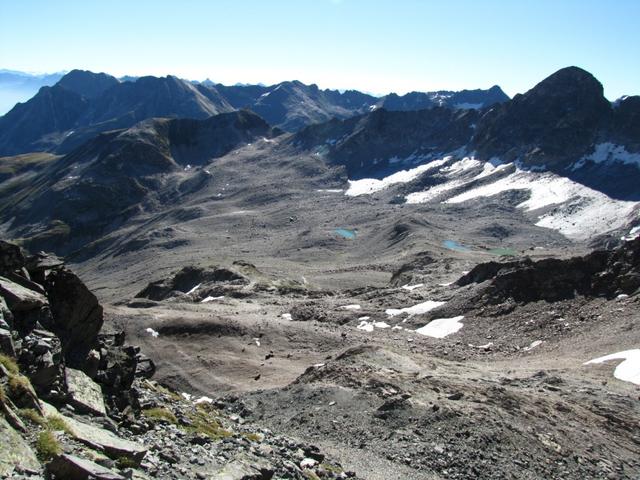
(371, 45)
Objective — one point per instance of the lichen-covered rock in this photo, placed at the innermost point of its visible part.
(71, 467)
(15, 452)
(84, 393)
(99, 438)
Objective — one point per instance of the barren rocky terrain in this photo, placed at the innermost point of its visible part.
(369, 296)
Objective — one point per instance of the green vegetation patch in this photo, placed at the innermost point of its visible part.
(159, 414)
(47, 445)
(9, 363)
(33, 416)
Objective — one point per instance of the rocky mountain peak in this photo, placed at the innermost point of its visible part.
(552, 124)
(86, 83)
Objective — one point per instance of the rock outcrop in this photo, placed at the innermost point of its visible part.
(600, 273)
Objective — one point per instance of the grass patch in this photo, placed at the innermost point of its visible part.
(206, 424)
(164, 390)
(33, 416)
(19, 385)
(47, 445)
(160, 414)
(126, 462)
(56, 422)
(9, 363)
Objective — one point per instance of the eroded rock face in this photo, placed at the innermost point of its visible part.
(551, 124)
(190, 279)
(600, 273)
(77, 316)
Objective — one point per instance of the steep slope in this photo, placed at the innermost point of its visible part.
(100, 185)
(379, 143)
(18, 87)
(40, 124)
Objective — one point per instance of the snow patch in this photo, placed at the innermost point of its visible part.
(580, 212)
(411, 288)
(441, 327)
(194, 289)
(203, 400)
(367, 186)
(608, 153)
(632, 235)
(212, 299)
(286, 316)
(628, 370)
(152, 332)
(418, 309)
(351, 307)
(533, 345)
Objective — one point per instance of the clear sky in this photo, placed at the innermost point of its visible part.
(371, 45)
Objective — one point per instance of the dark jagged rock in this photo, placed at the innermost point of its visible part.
(77, 315)
(188, 278)
(366, 145)
(552, 125)
(11, 257)
(600, 273)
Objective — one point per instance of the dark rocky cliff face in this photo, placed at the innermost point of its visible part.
(554, 123)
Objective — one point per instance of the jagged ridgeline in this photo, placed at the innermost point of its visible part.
(76, 402)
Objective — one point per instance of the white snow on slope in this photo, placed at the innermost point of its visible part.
(441, 327)
(628, 370)
(369, 326)
(423, 307)
(367, 186)
(411, 288)
(194, 289)
(581, 213)
(609, 153)
(433, 192)
(632, 235)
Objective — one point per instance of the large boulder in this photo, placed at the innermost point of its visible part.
(20, 298)
(71, 467)
(84, 393)
(77, 315)
(99, 438)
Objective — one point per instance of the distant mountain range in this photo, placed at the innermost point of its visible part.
(563, 127)
(81, 104)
